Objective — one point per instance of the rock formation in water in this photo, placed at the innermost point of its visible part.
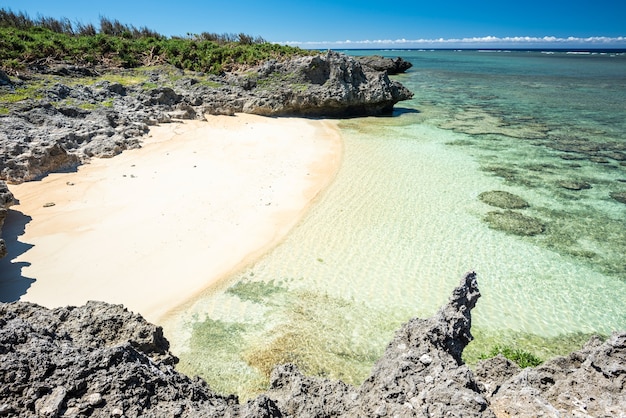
(390, 65)
(100, 360)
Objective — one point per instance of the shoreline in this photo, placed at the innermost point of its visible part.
(152, 228)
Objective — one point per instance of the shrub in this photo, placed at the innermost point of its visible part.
(29, 41)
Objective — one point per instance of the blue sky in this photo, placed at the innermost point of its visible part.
(365, 23)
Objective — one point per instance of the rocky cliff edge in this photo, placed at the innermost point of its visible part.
(100, 360)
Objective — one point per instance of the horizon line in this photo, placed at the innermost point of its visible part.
(485, 41)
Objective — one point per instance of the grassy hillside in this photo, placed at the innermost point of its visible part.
(25, 42)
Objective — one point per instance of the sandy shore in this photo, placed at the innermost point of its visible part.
(153, 227)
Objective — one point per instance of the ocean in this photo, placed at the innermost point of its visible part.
(419, 200)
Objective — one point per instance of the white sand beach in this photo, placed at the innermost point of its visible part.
(153, 227)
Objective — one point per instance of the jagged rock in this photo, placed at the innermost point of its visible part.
(330, 84)
(298, 395)
(6, 197)
(164, 96)
(493, 372)
(390, 65)
(588, 383)
(421, 373)
(100, 360)
(183, 111)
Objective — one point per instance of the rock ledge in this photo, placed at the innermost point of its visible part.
(100, 360)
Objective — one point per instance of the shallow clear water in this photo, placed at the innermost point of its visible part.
(403, 221)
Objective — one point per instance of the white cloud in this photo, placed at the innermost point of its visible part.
(474, 42)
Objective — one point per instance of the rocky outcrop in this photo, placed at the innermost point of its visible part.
(588, 383)
(332, 84)
(421, 373)
(72, 123)
(6, 201)
(390, 65)
(100, 360)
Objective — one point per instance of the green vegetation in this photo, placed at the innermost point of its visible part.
(525, 349)
(32, 91)
(323, 335)
(25, 42)
(520, 357)
(257, 292)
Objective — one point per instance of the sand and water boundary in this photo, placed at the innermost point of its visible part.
(153, 227)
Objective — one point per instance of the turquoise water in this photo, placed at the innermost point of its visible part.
(403, 221)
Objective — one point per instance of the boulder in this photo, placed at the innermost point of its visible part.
(390, 65)
(97, 360)
(330, 85)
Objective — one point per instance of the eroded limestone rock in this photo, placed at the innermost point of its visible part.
(100, 360)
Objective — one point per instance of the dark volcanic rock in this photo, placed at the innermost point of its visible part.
(493, 372)
(390, 65)
(5, 80)
(421, 372)
(100, 360)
